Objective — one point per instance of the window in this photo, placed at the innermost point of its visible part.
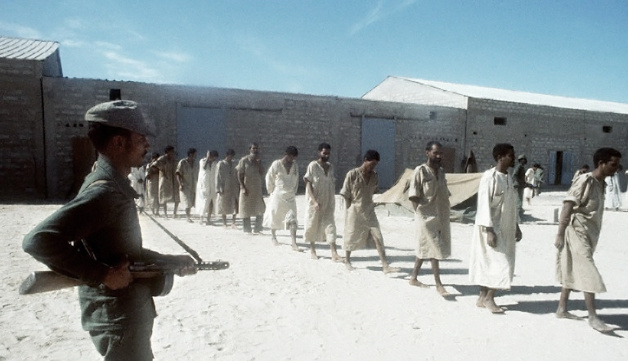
(499, 121)
(115, 94)
(433, 115)
(607, 129)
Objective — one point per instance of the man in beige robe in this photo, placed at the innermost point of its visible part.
(492, 261)
(251, 201)
(429, 195)
(227, 188)
(282, 182)
(167, 180)
(578, 233)
(320, 189)
(186, 179)
(152, 185)
(361, 224)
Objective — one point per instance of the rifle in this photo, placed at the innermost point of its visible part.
(160, 274)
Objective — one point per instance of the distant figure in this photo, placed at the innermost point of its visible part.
(612, 199)
(584, 169)
(530, 183)
(187, 174)
(206, 186)
(492, 261)
(136, 177)
(227, 188)
(251, 201)
(168, 188)
(320, 189)
(430, 198)
(578, 233)
(519, 179)
(152, 185)
(361, 224)
(282, 182)
(469, 164)
(540, 179)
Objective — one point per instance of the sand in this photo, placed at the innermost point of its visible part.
(277, 304)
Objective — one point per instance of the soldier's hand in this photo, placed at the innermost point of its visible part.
(118, 276)
(187, 265)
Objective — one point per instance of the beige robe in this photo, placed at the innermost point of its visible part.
(188, 174)
(252, 204)
(152, 186)
(168, 188)
(320, 224)
(575, 268)
(494, 267)
(227, 187)
(205, 187)
(281, 211)
(360, 218)
(433, 232)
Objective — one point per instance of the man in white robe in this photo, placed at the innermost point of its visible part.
(227, 188)
(282, 182)
(492, 261)
(206, 186)
(152, 185)
(186, 177)
(168, 188)
(320, 189)
(429, 195)
(578, 233)
(251, 201)
(136, 177)
(361, 224)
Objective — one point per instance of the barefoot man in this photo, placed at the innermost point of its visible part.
(227, 188)
(320, 189)
(492, 262)
(361, 224)
(578, 233)
(430, 198)
(282, 181)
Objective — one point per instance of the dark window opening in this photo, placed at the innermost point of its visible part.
(115, 94)
(607, 128)
(433, 115)
(499, 121)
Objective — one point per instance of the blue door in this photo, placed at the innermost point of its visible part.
(200, 128)
(379, 134)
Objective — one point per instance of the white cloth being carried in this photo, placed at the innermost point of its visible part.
(494, 267)
(205, 187)
(138, 184)
(281, 211)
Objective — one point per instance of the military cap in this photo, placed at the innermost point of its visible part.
(522, 156)
(121, 114)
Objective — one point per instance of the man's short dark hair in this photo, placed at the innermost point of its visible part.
(214, 153)
(100, 134)
(324, 146)
(604, 155)
(191, 151)
(371, 154)
(155, 155)
(432, 143)
(230, 151)
(292, 150)
(501, 149)
(168, 148)
(253, 145)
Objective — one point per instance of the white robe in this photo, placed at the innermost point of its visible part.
(205, 187)
(497, 208)
(137, 183)
(613, 194)
(281, 211)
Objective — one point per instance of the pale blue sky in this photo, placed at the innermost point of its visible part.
(573, 48)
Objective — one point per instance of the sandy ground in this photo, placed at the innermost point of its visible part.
(277, 304)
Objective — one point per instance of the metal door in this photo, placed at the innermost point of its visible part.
(379, 134)
(200, 128)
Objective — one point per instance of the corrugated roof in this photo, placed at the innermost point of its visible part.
(478, 92)
(27, 49)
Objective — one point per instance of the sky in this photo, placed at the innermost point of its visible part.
(573, 48)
